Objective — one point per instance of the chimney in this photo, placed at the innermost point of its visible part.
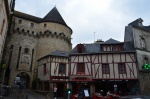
(99, 41)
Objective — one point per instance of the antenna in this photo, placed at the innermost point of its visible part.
(94, 36)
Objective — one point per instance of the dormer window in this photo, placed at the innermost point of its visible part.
(80, 48)
(112, 48)
(140, 24)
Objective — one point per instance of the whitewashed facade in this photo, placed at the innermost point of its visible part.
(53, 70)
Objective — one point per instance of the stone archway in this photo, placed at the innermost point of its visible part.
(25, 79)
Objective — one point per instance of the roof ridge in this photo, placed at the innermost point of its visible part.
(27, 16)
(18, 12)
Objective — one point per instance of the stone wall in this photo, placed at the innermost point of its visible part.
(43, 40)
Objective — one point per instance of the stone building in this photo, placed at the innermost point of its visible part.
(138, 36)
(32, 38)
(5, 10)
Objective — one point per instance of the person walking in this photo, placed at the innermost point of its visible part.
(21, 87)
(1, 87)
(55, 92)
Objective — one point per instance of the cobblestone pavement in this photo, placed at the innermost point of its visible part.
(27, 94)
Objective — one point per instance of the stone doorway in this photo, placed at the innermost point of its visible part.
(25, 79)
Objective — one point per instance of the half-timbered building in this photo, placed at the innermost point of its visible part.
(53, 71)
(109, 65)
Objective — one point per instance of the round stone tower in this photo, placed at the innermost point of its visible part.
(32, 38)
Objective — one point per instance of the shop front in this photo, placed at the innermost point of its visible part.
(121, 87)
(79, 85)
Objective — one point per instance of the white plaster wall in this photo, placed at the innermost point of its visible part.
(136, 36)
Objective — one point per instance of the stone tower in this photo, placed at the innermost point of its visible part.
(32, 38)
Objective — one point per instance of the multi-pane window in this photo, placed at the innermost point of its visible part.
(105, 68)
(143, 43)
(62, 68)
(80, 68)
(44, 69)
(121, 68)
(26, 50)
(112, 48)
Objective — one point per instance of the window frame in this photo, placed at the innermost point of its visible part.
(105, 68)
(26, 50)
(64, 66)
(44, 69)
(45, 25)
(79, 69)
(20, 21)
(32, 24)
(122, 68)
(80, 48)
(143, 46)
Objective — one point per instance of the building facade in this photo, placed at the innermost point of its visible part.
(5, 10)
(109, 65)
(32, 38)
(138, 35)
(53, 71)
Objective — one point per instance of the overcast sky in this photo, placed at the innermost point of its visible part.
(91, 19)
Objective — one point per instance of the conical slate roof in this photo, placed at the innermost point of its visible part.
(54, 16)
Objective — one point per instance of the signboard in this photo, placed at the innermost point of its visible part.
(86, 93)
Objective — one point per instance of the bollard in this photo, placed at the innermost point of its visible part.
(26, 96)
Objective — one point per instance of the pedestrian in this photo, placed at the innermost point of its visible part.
(108, 93)
(102, 93)
(21, 88)
(1, 87)
(55, 92)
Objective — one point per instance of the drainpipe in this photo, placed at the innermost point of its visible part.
(11, 16)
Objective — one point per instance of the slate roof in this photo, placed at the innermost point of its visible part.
(89, 48)
(112, 41)
(96, 47)
(27, 16)
(54, 16)
(60, 53)
(136, 24)
(128, 46)
(57, 53)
